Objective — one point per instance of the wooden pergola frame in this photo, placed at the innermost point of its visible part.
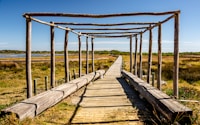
(113, 33)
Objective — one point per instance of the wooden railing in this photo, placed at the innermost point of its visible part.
(37, 104)
(161, 102)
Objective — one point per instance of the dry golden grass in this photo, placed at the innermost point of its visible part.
(13, 84)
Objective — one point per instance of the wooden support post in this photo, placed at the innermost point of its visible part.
(52, 57)
(153, 78)
(131, 56)
(74, 73)
(46, 82)
(87, 55)
(28, 58)
(92, 42)
(140, 65)
(66, 57)
(35, 86)
(159, 56)
(176, 55)
(80, 55)
(69, 76)
(149, 56)
(135, 58)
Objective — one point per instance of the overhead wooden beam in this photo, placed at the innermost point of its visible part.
(111, 36)
(161, 22)
(102, 15)
(52, 57)
(140, 62)
(28, 58)
(50, 24)
(135, 28)
(104, 24)
(123, 33)
(159, 57)
(176, 55)
(149, 56)
(135, 57)
(66, 57)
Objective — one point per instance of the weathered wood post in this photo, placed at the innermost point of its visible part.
(153, 78)
(92, 42)
(80, 55)
(176, 55)
(140, 63)
(46, 82)
(28, 57)
(69, 76)
(135, 57)
(150, 55)
(159, 56)
(87, 55)
(35, 86)
(52, 56)
(66, 57)
(74, 73)
(131, 56)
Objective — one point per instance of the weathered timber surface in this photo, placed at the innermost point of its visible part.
(110, 101)
(167, 106)
(37, 104)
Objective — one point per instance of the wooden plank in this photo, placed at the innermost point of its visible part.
(28, 58)
(167, 106)
(39, 103)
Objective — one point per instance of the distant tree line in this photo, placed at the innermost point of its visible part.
(113, 52)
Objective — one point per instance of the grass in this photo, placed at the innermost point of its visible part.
(13, 84)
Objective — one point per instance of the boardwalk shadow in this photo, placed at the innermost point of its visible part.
(144, 114)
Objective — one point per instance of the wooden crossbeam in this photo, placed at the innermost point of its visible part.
(89, 33)
(102, 15)
(102, 24)
(112, 36)
(135, 28)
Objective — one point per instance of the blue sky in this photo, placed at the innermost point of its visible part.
(12, 24)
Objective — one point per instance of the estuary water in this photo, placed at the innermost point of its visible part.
(24, 55)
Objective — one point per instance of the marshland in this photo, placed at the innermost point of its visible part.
(13, 81)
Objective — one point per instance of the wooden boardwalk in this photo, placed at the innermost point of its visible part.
(110, 101)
